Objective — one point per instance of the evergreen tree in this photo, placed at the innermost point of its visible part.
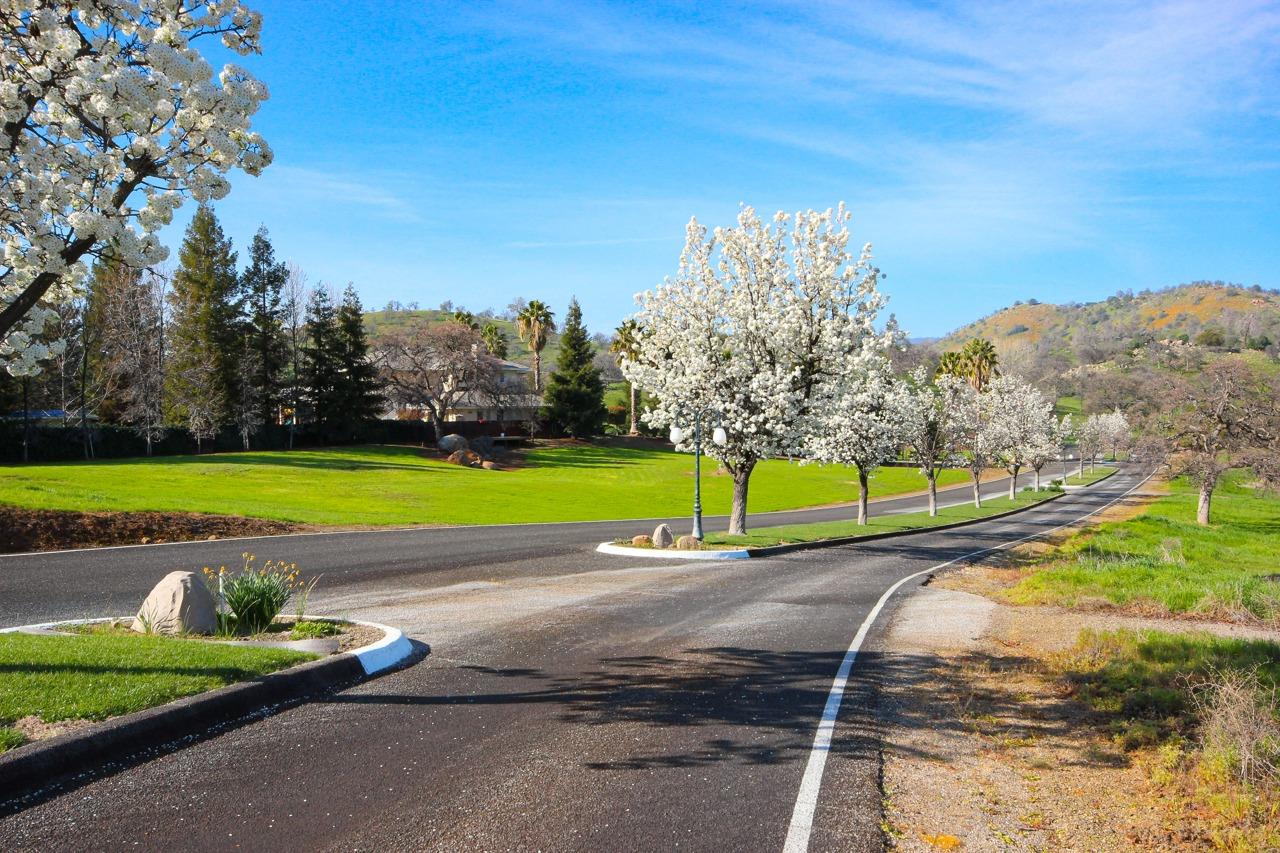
(207, 331)
(575, 392)
(322, 361)
(262, 283)
(360, 395)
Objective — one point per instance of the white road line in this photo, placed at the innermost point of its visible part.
(811, 784)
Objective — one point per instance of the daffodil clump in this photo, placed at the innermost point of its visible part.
(250, 599)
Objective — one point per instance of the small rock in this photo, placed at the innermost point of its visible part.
(688, 543)
(662, 537)
(146, 539)
(179, 604)
(489, 465)
(466, 458)
(452, 443)
(211, 537)
(642, 541)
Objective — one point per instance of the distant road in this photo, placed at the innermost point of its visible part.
(113, 581)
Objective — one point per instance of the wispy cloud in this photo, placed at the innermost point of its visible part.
(574, 244)
(294, 185)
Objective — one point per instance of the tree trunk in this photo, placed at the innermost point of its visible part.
(437, 425)
(1206, 498)
(862, 496)
(1081, 469)
(932, 477)
(1013, 482)
(1037, 479)
(738, 515)
(537, 370)
(634, 395)
(977, 492)
(244, 436)
(26, 419)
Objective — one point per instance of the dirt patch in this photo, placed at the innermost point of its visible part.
(34, 728)
(986, 750)
(52, 530)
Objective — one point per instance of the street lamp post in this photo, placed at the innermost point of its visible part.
(720, 438)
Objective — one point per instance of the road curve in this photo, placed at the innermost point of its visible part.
(654, 707)
(109, 581)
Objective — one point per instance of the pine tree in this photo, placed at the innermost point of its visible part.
(360, 395)
(262, 283)
(207, 331)
(322, 361)
(575, 392)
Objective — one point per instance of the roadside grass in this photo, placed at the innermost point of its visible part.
(1205, 712)
(100, 675)
(791, 533)
(1088, 478)
(1163, 563)
(384, 485)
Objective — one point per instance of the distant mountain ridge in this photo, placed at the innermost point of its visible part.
(1245, 318)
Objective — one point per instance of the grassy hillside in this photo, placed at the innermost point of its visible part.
(1244, 316)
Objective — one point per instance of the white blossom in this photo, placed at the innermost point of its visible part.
(755, 326)
(109, 118)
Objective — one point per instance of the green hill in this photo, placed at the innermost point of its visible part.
(1213, 313)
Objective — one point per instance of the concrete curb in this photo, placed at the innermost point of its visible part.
(775, 550)
(31, 767)
(669, 553)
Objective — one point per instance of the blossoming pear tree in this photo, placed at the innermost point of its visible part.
(1026, 417)
(109, 118)
(751, 331)
(862, 421)
(1049, 445)
(984, 434)
(932, 428)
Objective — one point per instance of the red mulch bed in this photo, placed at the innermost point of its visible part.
(53, 530)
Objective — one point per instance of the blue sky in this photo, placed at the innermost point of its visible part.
(477, 152)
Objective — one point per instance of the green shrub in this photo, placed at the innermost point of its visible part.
(249, 600)
(312, 630)
(10, 739)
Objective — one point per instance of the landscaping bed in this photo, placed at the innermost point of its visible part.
(23, 530)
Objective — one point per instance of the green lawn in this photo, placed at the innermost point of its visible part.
(96, 676)
(1164, 562)
(789, 533)
(399, 485)
(1074, 479)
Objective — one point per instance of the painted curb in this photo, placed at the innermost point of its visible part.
(775, 550)
(27, 769)
(669, 554)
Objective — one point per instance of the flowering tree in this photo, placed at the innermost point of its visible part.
(1026, 418)
(863, 422)
(752, 329)
(1048, 445)
(109, 118)
(1091, 433)
(1114, 431)
(931, 425)
(983, 434)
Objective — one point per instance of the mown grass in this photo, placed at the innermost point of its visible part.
(792, 533)
(400, 485)
(100, 675)
(1162, 562)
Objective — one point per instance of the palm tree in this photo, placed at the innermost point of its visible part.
(534, 324)
(494, 340)
(466, 318)
(981, 362)
(952, 364)
(626, 346)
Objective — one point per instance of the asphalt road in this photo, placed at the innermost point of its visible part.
(641, 705)
(113, 581)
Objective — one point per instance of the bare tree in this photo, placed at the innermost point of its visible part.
(246, 408)
(294, 303)
(1225, 417)
(134, 323)
(433, 367)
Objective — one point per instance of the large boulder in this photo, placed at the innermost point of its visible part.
(662, 537)
(642, 541)
(452, 443)
(465, 457)
(179, 604)
(688, 543)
